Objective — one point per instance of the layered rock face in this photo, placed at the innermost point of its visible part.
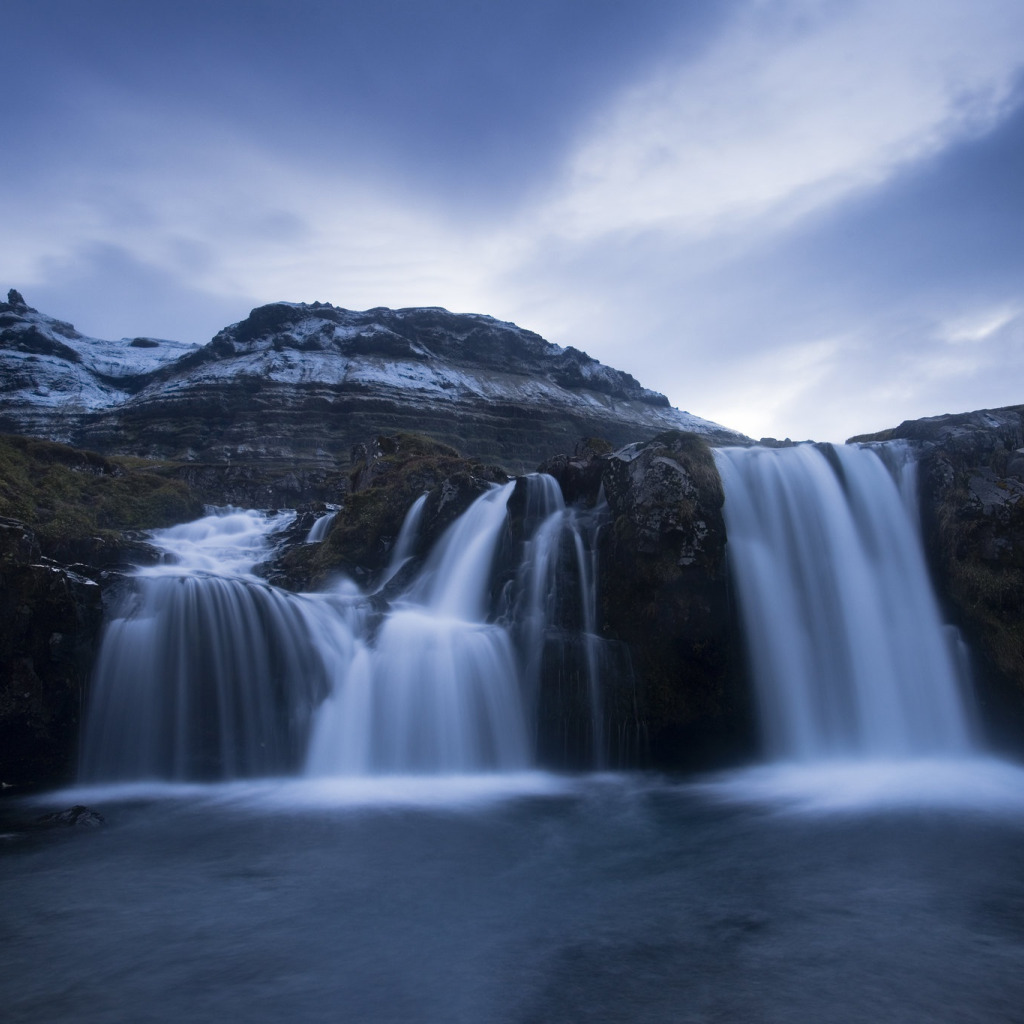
(298, 385)
(972, 494)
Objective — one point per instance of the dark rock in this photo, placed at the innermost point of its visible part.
(49, 629)
(17, 542)
(269, 484)
(78, 816)
(678, 698)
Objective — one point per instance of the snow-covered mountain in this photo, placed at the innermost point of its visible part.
(303, 383)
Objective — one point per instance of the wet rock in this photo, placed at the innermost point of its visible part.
(78, 816)
(680, 700)
(49, 628)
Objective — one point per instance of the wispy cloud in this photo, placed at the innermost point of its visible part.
(798, 104)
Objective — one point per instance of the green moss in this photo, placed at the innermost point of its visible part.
(65, 494)
(392, 473)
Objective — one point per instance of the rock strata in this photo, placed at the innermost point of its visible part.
(300, 384)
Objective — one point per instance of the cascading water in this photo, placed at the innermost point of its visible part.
(405, 544)
(207, 671)
(437, 690)
(319, 530)
(848, 651)
(562, 544)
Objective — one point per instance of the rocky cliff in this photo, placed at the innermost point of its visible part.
(50, 618)
(295, 386)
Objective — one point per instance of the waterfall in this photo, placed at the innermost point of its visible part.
(437, 690)
(207, 671)
(319, 530)
(405, 544)
(847, 647)
(555, 621)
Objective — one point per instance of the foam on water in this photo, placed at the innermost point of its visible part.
(980, 785)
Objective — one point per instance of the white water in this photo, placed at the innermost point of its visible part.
(438, 689)
(405, 544)
(536, 605)
(319, 530)
(206, 671)
(849, 653)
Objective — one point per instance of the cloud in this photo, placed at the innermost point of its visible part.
(980, 325)
(799, 104)
(776, 220)
(109, 292)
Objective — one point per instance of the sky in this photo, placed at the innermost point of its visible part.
(798, 218)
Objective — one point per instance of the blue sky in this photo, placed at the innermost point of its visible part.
(799, 218)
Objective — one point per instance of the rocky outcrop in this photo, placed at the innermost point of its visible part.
(679, 699)
(388, 475)
(972, 494)
(672, 690)
(300, 385)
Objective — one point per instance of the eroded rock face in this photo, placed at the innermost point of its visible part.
(298, 385)
(972, 493)
(664, 596)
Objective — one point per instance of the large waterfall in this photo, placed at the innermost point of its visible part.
(207, 671)
(846, 645)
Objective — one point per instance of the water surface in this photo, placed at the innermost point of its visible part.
(528, 898)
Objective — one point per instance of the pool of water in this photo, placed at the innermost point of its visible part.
(786, 896)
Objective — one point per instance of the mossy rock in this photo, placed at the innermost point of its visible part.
(67, 495)
(389, 474)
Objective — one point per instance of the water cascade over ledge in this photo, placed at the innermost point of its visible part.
(848, 651)
(207, 671)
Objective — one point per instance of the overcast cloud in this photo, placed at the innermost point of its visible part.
(795, 217)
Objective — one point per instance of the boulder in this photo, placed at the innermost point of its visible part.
(677, 696)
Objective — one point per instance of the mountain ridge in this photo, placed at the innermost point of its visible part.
(303, 382)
